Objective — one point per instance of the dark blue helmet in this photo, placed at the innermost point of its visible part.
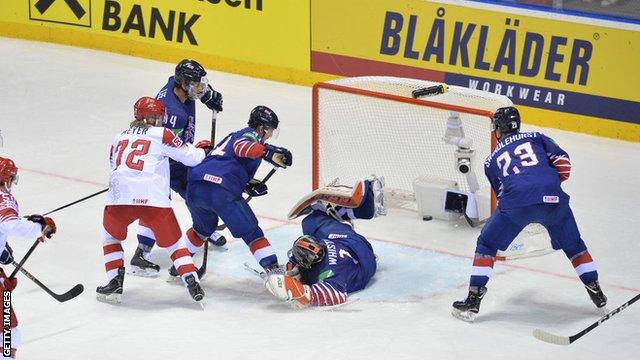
(262, 115)
(187, 71)
(507, 119)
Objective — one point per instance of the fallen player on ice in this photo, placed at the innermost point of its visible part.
(331, 260)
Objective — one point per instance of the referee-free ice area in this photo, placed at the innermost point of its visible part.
(59, 110)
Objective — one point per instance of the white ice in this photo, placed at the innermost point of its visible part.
(59, 110)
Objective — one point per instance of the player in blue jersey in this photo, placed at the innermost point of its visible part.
(216, 185)
(525, 171)
(179, 97)
(331, 260)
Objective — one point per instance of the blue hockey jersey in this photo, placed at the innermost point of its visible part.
(349, 262)
(225, 166)
(181, 117)
(521, 170)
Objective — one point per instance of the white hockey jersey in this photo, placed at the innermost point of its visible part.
(140, 165)
(11, 224)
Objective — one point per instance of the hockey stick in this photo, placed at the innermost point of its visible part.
(566, 340)
(474, 223)
(35, 243)
(266, 178)
(203, 269)
(255, 271)
(73, 292)
(77, 201)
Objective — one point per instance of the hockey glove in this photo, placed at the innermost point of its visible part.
(286, 288)
(277, 156)
(7, 284)
(205, 145)
(6, 257)
(48, 226)
(212, 99)
(256, 188)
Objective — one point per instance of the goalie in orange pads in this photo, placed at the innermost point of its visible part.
(330, 260)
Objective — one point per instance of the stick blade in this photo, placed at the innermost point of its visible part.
(551, 338)
(75, 291)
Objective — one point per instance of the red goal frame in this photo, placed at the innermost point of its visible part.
(315, 121)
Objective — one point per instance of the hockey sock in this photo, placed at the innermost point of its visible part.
(113, 257)
(193, 241)
(481, 270)
(182, 260)
(263, 252)
(585, 267)
(146, 238)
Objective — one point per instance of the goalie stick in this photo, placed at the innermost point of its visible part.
(566, 340)
(73, 292)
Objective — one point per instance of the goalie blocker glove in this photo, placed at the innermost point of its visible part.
(48, 226)
(277, 156)
(212, 99)
(256, 188)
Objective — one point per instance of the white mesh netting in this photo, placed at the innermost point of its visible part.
(359, 134)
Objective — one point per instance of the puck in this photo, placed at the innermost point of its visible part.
(427, 218)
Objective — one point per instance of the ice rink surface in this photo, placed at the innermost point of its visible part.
(59, 110)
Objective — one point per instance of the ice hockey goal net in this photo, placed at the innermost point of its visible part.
(373, 125)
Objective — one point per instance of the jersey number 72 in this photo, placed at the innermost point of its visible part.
(138, 148)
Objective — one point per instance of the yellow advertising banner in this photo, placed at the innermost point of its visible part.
(587, 71)
(228, 35)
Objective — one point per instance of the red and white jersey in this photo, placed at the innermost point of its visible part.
(11, 224)
(140, 165)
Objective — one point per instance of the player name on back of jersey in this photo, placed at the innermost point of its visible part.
(135, 130)
(508, 140)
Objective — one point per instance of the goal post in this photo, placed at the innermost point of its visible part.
(373, 125)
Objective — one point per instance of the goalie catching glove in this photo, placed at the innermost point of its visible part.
(287, 288)
(277, 156)
(256, 188)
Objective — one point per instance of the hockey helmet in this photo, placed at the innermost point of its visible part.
(307, 251)
(192, 77)
(262, 115)
(149, 108)
(8, 172)
(506, 119)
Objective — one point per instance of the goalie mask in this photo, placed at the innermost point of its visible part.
(8, 173)
(307, 251)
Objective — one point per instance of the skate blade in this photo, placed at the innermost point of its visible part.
(109, 298)
(464, 315)
(603, 310)
(174, 279)
(142, 272)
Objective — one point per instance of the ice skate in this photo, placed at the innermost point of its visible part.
(141, 266)
(112, 292)
(468, 309)
(217, 240)
(597, 296)
(195, 290)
